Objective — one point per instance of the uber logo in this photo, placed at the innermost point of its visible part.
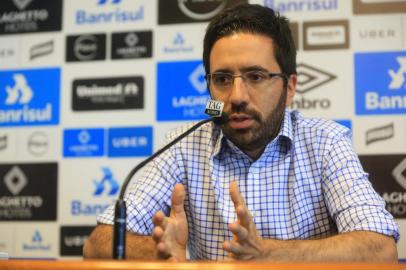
(86, 47)
(325, 35)
(72, 239)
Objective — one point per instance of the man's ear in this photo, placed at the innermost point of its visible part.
(291, 88)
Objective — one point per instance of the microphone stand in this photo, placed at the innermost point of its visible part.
(120, 214)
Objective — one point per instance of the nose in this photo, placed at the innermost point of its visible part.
(239, 92)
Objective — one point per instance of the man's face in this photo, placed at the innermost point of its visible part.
(254, 111)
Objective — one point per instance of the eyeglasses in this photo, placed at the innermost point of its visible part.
(256, 79)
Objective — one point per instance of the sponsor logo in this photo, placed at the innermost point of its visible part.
(399, 173)
(179, 45)
(7, 52)
(387, 174)
(378, 6)
(83, 142)
(108, 94)
(346, 123)
(385, 91)
(26, 16)
(294, 29)
(129, 45)
(37, 243)
(87, 47)
(29, 97)
(182, 91)
(111, 13)
(326, 35)
(380, 133)
(130, 142)
(310, 78)
(302, 6)
(379, 33)
(72, 239)
(185, 11)
(38, 143)
(42, 49)
(22, 193)
(15, 180)
(106, 186)
(3, 142)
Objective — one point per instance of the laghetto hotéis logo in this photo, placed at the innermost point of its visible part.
(29, 97)
(380, 83)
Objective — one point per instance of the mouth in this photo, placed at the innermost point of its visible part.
(240, 121)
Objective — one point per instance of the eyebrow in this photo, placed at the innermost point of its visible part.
(244, 69)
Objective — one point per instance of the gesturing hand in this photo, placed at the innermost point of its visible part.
(171, 233)
(246, 243)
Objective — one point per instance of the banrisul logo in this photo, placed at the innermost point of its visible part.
(109, 11)
(302, 6)
(29, 97)
(105, 188)
(37, 243)
(380, 89)
(182, 91)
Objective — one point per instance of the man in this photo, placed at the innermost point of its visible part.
(266, 185)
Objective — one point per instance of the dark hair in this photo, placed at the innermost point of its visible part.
(254, 19)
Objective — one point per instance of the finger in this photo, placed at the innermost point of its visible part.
(157, 234)
(240, 232)
(178, 198)
(162, 251)
(244, 216)
(236, 195)
(233, 248)
(159, 219)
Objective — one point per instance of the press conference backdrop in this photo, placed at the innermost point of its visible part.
(88, 88)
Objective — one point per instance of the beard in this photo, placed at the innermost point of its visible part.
(263, 131)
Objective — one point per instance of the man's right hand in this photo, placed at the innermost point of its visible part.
(171, 233)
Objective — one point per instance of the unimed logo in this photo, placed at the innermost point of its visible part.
(29, 97)
(108, 93)
(182, 91)
(380, 89)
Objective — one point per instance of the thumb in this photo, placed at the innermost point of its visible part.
(178, 197)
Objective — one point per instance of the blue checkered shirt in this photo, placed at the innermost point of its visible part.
(307, 184)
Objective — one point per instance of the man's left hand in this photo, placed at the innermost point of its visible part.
(246, 243)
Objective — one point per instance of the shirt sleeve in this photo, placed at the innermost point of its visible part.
(148, 194)
(351, 200)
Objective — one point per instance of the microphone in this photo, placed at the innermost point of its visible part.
(215, 110)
